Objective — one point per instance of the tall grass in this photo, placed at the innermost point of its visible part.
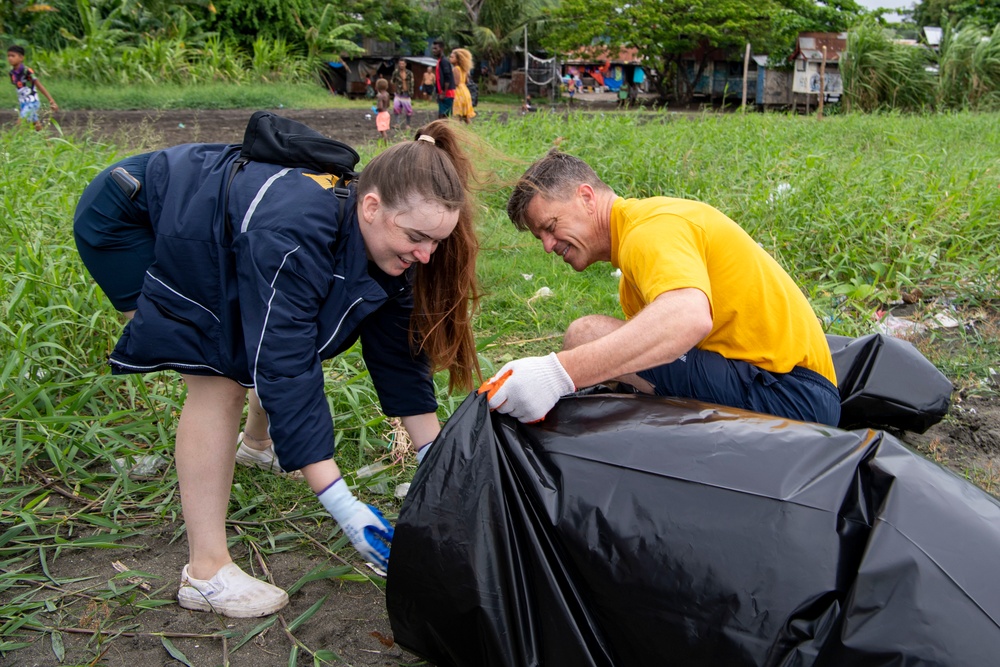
(77, 94)
(103, 60)
(969, 64)
(863, 206)
(857, 209)
(878, 73)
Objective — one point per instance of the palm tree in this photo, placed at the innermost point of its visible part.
(496, 27)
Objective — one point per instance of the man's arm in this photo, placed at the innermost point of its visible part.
(447, 75)
(668, 327)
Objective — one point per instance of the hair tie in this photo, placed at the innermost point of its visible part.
(428, 138)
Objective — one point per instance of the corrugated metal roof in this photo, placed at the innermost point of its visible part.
(809, 45)
(426, 62)
(601, 54)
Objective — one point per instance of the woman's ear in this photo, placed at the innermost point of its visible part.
(369, 206)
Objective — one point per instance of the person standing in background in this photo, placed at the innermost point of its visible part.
(461, 61)
(427, 83)
(402, 83)
(444, 79)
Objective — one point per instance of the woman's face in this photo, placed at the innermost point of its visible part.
(453, 58)
(396, 239)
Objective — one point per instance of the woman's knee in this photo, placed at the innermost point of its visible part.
(215, 393)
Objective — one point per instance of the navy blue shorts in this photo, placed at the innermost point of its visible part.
(800, 394)
(114, 235)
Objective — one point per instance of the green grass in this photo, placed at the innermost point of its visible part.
(74, 94)
(858, 209)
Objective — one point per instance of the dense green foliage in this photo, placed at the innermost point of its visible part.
(130, 42)
(663, 32)
(137, 41)
(984, 13)
(880, 73)
(969, 65)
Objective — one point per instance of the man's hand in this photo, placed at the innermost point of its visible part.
(526, 389)
(363, 524)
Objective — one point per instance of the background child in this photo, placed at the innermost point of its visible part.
(382, 108)
(24, 79)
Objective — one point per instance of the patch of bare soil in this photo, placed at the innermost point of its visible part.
(158, 129)
(353, 621)
(967, 441)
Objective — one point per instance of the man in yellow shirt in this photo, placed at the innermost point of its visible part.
(708, 313)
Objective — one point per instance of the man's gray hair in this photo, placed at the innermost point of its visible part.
(555, 175)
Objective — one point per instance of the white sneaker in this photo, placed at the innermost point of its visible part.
(231, 592)
(264, 459)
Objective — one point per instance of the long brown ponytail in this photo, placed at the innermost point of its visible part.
(445, 290)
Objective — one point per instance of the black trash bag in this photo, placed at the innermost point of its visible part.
(635, 530)
(886, 382)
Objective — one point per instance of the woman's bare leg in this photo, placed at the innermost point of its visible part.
(209, 423)
(255, 429)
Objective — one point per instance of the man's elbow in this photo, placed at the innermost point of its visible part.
(699, 328)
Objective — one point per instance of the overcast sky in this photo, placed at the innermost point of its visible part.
(873, 4)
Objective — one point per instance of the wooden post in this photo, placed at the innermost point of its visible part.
(746, 70)
(822, 85)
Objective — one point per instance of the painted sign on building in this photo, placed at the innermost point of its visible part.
(808, 81)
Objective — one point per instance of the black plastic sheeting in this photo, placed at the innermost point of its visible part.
(634, 530)
(885, 381)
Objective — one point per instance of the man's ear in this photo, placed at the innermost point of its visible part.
(586, 192)
(369, 206)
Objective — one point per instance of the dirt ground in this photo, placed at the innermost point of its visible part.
(353, 621)
(157, 129)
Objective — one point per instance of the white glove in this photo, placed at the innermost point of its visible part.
(363, 524)
(422, 452)
(528, 388)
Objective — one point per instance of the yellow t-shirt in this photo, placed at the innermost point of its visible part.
(759, 314)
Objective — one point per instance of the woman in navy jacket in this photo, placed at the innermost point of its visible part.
(255, 287)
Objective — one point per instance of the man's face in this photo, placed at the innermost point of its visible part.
(567, 226)
(436, 50)
(402, 65)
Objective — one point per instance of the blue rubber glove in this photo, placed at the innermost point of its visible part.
(363, 524)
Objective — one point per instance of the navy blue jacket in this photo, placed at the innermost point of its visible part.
(264, 298)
